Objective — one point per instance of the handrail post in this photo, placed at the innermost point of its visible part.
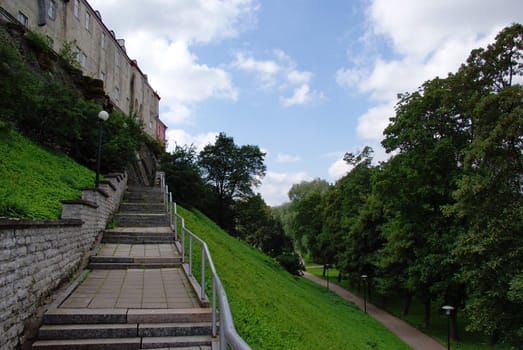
(175, 222)
(213, 306)
(190, 255)
(165, 198)
(183, 242)
(202, 284)
(171, 208)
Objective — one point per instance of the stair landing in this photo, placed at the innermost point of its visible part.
(134, 288)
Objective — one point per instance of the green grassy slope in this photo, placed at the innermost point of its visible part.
(33, 180)
(275, 310)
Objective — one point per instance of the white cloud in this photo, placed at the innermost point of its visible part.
(427, 38)
(181, 137)
(187, 21)
(339, 169)
(280, 73)
(372, 123)
(160, 35)
(275, 186)
(302, 96)
(287, 158)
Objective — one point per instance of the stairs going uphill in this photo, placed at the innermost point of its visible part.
(136, 295)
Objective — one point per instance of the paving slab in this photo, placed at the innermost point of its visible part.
(164, 288)
(163, 250)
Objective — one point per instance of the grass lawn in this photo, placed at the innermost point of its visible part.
(34, 180)
(273, 309)
(438, 328)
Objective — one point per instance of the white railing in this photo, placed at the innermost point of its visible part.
(228, 335)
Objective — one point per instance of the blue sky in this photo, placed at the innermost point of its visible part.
(304, 80)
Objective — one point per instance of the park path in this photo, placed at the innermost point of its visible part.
(410, 335)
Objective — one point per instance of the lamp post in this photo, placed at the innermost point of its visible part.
(448, 310)
(327, 273)
(102, 116)
(364, 292)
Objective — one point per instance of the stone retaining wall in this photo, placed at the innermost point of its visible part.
(36, 256)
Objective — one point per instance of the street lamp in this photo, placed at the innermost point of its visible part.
(102, 116)
(364, 292)
(448, 310)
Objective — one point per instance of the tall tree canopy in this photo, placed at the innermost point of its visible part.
(232, 171)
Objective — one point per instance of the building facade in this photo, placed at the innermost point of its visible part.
(74, 23)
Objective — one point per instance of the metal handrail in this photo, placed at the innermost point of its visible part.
(228, 333)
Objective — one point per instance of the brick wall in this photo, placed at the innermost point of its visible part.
(36, 256)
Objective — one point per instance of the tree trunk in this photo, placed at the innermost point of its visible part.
(339, 277)
(426, 319)
(406, 306)
(324, 269)
(454, 325)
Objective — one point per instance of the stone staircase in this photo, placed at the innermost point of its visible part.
(136, 295)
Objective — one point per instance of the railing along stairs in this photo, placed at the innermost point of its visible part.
(228, 336)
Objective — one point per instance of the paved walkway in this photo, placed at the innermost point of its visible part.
(410, 335)
(139, 250)
(166, 288)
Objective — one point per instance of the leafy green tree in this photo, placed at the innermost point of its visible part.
(415, 185)
(258, 227)
(490, 194)
(232, 172)
(183, 176)
(299, 191)
(341, 209)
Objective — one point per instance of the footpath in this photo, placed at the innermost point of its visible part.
(135, 294)
(410, 335)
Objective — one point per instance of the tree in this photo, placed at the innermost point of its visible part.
(232, 172)
(256, 225)
(183, 176)
(490, 194)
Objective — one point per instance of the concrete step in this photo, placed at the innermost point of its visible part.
(125, 266)
(141, 220)
(85, 316)
(90, 344)
(176, 342)
(158, 208)
(98, 331)
(169, 315)
(143, 197)
(86, 331)
(188, 342)
(135, 188)
(137, 240)
(126, 316)
(131, 259)
(174, 329)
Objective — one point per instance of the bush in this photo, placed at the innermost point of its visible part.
(291, 262)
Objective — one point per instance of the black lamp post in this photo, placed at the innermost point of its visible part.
(364, 292)
(102, 116)
(448, 310)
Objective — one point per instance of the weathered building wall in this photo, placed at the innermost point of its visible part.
(100, 54)
(36, 256)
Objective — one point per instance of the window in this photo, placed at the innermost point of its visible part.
(83, 60)
(117, 58)
(102, 76)
(76, 8)
(102, 40)
(78, 54)
(117, 93)
(51, 10)
(88, 21)
(23, 19)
